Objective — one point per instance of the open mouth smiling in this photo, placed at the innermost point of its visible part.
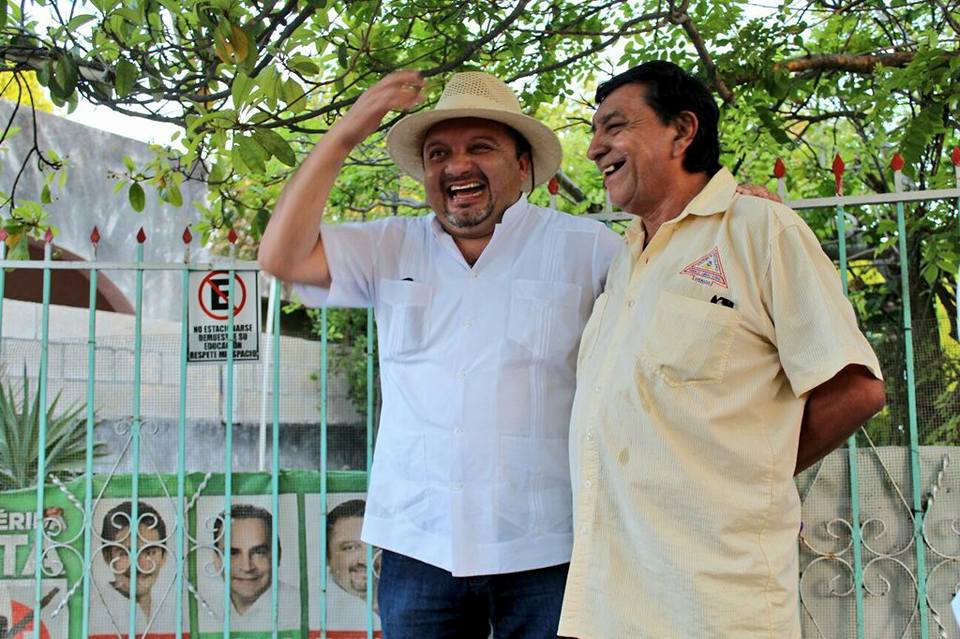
(464, 191)
(612, 168)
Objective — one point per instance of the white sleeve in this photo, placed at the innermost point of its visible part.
(609, 244)
(352, 252)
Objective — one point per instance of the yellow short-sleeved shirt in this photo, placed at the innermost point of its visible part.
(686, 422)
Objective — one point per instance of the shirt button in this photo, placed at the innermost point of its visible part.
(473, 274)
(461, 374)
(587, 484)
(468, 323)
(631, 303)
(597, 388)
(458, 486)
(590, 436)
(583, 530)
(458, 431)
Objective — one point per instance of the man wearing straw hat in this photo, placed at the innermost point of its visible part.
(479, 306)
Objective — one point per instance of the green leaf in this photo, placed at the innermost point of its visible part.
(240, 89)
(293, 95)
(260, 220)
(772, 127)
(138, 199)
(3, 14)
(45, 194)
(127, 74)
(79, 21)
(128, 162)
(275, 145)
(228, 115)
(251, 154)
(303, 65)
(67, 72)
(171, 193)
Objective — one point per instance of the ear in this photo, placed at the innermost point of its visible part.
(526, 162)
(686, 125)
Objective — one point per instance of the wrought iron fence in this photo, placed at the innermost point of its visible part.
(880, 545)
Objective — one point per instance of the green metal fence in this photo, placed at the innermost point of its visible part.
(880, 546)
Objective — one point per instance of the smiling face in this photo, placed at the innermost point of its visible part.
(472, 174)
(348, 556)
(250, 559)
(635, 151)
(151, 556)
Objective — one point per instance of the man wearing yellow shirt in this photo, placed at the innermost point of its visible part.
(721, 359)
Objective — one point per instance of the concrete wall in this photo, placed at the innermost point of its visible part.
(206, 408)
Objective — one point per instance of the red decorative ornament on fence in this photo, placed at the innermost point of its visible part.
(838, 168)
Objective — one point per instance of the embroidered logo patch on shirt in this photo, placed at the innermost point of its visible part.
(707, 269)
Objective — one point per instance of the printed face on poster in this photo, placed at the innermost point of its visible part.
(251, 567)
(111, 569)
(345, 560)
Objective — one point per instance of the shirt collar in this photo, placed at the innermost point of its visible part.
(513, 214)
(712, 199)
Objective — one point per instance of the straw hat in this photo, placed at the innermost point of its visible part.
(475, 95)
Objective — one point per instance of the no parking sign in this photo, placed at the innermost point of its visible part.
(209, 315)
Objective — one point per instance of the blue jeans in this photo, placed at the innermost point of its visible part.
(420, 601)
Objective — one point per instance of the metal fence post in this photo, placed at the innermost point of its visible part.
(91, 397)
(897, 166)
(181, 519)
(41, 438)
(228, 461)
(134, 530)
(855, 530)
(274, 320)
(324, 433)
(370, 405)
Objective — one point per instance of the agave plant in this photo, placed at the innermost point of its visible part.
(20, 435)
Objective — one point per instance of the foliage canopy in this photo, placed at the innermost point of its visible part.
(253, 83)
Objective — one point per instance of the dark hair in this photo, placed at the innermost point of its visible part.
(112, 524)
(523, 147)
(245, 511)
(671, 90)
(345, 510)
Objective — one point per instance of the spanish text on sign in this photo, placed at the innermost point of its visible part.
(209, 316)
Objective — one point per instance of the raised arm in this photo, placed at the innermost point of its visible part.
(291, 247)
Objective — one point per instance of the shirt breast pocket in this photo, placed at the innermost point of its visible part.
(403, 312)
(690, 340)
(544, 316)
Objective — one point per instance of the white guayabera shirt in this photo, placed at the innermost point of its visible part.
(477, 364)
